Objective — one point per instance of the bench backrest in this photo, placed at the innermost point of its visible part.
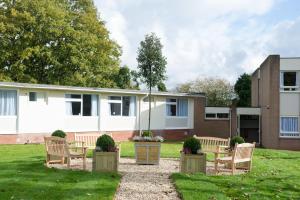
(56, 146)
(243, 152)
(89, 139)
(209, 144)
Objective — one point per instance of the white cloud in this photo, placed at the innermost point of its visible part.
(201, 38)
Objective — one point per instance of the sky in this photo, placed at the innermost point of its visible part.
(205, 38)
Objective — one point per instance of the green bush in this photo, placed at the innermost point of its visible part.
(106, 143)
(59, 133)
(147, 134)
(191, 145)
(236, 139)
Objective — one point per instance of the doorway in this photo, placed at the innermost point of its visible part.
(249, 128)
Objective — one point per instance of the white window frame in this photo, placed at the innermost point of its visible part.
(287, 132)
(216, 116)
(17, 108)
(121, 102)
(288, 88)
(172, 103)
(81, 104)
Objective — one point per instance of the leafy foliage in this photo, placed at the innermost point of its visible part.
(161, 87)
(56, 42)
(106, 143)
(192, 144)
(59, 133)
(242, 88)
(123, 79)
(236, 139)
(151, 62)
(218, 91)
(147, 134)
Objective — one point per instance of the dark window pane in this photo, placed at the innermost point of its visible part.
(222, 115)
(32, 96)
(173, 110)
(210, 115)
(75, 96)
(289, 78)
(115, 109)
(126, 104)
(114, 98)
(76, 108)
(87, 105)
(171, 100)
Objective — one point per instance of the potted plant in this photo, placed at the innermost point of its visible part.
(105, 155)
(147, 148)
(192, 160)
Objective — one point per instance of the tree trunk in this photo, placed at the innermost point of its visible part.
(150, 95)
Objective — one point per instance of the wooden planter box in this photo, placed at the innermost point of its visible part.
(147, 153)
(105, 161)
(192, 163)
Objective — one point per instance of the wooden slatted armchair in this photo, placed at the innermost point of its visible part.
(60, 149)
(242, 153)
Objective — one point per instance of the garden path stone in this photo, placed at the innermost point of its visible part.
(147, 181)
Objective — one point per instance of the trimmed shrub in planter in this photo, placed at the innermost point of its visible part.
(59, 133)
(147, 148)
(106, 155)
(192, 160)
(236, 139)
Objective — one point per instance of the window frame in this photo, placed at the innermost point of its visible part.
(109, 101)
(284, 88)
(17, 103)
(81, 104)
(216, 116)
(281, 133)
(176, 104)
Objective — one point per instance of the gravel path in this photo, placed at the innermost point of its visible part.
(147, 181)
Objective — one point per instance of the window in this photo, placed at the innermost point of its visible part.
(8, 102)
(122, 105)
(82, 105)
(289, 127)
(177, 107)
(217, 115)
(289, 81)
(32, 96)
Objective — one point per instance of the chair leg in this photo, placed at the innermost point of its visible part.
(69, 162)
(84, 163)
(47, 159)
(232, 168)
(216, 167)
(62, 160)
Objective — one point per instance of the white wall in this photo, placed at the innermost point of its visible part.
(48, 113)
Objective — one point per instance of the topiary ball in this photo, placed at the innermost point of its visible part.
(106, 143)
(192, 145)
(147, 134)
(59, 133)
(236, 139)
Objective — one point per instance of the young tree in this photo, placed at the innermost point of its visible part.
(242, 88)
(218, 91)
(151, 65)
(56, 42)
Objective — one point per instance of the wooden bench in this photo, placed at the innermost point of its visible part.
(89, 139)
(59, 149)
(214, 145)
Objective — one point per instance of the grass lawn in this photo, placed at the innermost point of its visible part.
(275, 175)
(23, 176)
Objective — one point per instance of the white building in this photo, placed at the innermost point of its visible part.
(30, 111)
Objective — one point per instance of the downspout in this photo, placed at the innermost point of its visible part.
(140, 101)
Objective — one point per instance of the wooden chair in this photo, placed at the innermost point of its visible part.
(242, 153)
(59, 149)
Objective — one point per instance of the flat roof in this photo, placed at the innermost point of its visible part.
(94, 89)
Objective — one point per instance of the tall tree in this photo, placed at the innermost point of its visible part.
(56, 42)
(218, 91)
(242, 88)
(151, 65)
